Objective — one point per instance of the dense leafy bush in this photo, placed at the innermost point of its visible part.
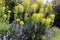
(30, 21)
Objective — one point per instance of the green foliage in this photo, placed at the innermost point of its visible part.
(53, 37)
(56, 36)
(4, 28)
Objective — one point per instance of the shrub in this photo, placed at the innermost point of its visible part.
(28, 23)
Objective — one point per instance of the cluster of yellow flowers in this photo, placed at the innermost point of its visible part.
(36, 16)
(26, 17)
(2, 2)
(40, 3)
(2, 9)
(45, 21)
(41, 10)
(48, 22)
(26, 4)
(52, 16)
(5, 17)
(19, 21)
(34, 7)
(19, 8)
(48, 7)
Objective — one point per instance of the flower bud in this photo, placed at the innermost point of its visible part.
(34, 7)
(5, 16)
(49, 4)
(46, 10)
(2, 9)
(41, 10)
(9, 11)
(26, 4)
(49, 7)
(48, 22)
(43, 20)
(20, 8)
(52, 16)
(16, 9)
(0, 2)
(17, 20)
(21, 23)
(41, 16)
(14, 21)
(40, 3)
(26, 17)
(26, 14)
(35, 18)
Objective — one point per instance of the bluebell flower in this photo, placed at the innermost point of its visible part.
(49, 34)
(24, 30)
(15, 27)
(5, 37)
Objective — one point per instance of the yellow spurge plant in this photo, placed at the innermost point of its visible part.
(9, 11)
(43, 21)
(48, 22)
(2, 9)
(46, 10)
(34, 7)
(2, 2)
(41, 15)
(4, 16)
(41, 10)
(26, 14)
(16, 9)
(21, 23)
(19, 8)
(26, 4)
(15, 12)
(35, 17)
(48, 7)
(9, 14)
(26, 17)
(40, 3)
(17, 20)
(52, 16)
